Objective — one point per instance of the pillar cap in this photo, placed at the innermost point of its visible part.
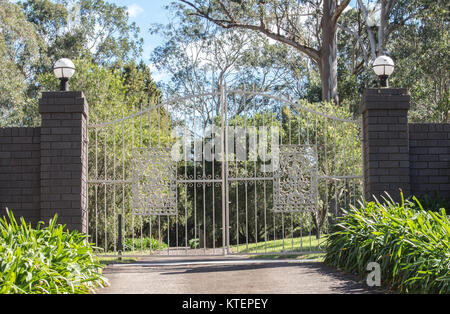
(63, 102)
(385, 99)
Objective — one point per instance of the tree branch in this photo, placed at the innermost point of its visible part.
(339, 10)
(360, 41)
(227, 24)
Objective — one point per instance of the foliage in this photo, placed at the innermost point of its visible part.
(144, 244)
(198, 55)
(412, 246)
(421, 50)
(194, 243)
(36, 33)
(74, 29)
(19, 47)
(434, 202)
(416, 37)
(45, 260)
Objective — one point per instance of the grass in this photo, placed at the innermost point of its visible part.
(301, 248)
(307, 244)
(115, 260)
(316, 257)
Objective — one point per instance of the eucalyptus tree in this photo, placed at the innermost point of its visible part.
(94, 29)
(19, 47)
(309, 26)
(35, 33)
(198, 56)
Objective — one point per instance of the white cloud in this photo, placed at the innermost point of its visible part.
(134, 10)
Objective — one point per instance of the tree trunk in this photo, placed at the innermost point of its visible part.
(328, 54)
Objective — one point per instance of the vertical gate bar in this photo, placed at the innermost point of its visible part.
(345, 174)
(141, 218)
(158, 110)
(256, 207)
(96, 187)
(119, 237)
(114, 185)
(255, 176)
(281, 143)
(185, 151)
(195, 174)
(246, 172)
(227, 187)
(123, 173)
(256, 183)
(159, 233)
(264, 182)
(353, 168)
(106, 224)
(273, 190)
(300, 142)
(167, 146)
(236, 148)
(336, 157)
(213, 185)
(150, 220)
(290, 143)
(326, 162)
(223, 140)
(204, 186)
(132, 148)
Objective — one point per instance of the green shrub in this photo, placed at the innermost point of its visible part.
(143, 244)
(45, 260)
(194, 243)
(412, 246)
(435, 202)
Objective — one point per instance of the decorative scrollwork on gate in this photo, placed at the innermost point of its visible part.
(154, 182)
(296, 179)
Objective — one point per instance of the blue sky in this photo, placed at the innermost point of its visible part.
(144, 13)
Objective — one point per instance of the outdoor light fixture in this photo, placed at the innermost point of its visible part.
(64, 69)
(383, 66)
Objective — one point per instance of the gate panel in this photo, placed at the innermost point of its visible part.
(229, 172)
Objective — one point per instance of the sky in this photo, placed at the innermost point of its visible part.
(144, 13)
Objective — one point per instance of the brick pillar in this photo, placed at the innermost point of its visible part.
(386, 142)
(64, 158)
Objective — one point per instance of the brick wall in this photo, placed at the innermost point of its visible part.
(386, 145)
(64, 158)
(430, 159)
(43, 171)
(20, 172)
(412, 157)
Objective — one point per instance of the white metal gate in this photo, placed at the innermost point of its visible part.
(226, 172)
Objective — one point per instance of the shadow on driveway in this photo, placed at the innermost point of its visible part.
(251, 277)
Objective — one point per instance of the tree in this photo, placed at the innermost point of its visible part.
(200, 56)
(19, 46)
(92, 29)
(414, 33)
(421, 50)
(35, 33)
(284, 21)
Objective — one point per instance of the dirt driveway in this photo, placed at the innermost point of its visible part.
(229, 276)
